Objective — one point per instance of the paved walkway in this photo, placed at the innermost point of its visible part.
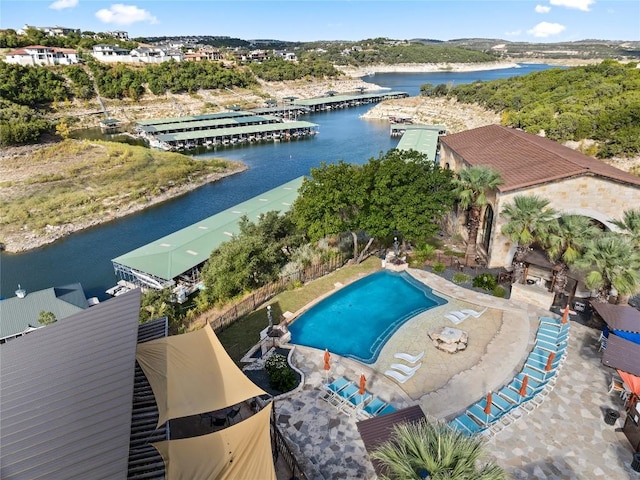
(566, 437)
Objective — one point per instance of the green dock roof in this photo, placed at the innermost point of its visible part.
(246, 130)
(345, 98)
(422, 138)
(212, 123)
(178, 252)
(194, 118)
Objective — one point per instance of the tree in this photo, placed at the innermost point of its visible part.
(330, 202)
(47, 318)
(565, 243)
(611, 262)
(472, 187)
(157, 304)
(630, 225)
(435, 451)
(528, 220)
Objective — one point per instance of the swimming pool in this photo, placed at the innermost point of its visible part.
(357, 320)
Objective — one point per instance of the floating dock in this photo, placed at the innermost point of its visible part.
(334, 102)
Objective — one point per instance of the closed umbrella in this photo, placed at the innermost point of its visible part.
(549, 366)
(523, 387)
(327, 366)
(487, 407)
(363, 385)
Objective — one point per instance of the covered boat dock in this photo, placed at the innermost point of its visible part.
(176, 259)
(333, 102)
(422, 138)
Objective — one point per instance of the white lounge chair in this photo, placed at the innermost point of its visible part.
(456, 317)
(399, 377)
(409, 358)
(473, 313)
(405, 369)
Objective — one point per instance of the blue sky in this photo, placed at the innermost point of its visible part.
(309, 20)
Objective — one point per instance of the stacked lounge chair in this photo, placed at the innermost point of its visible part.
(508, 403)
(400, 372)
(345, 396)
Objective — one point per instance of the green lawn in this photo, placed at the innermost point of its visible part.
(240, 336)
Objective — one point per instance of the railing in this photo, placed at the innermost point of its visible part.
(281, 447)
(264, 293)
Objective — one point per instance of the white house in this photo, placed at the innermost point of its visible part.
(41, 55)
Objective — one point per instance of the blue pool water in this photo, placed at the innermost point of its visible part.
(358, 320)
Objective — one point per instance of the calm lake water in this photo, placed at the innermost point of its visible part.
(85, 256)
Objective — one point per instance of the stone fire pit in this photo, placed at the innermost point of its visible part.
(449, 339)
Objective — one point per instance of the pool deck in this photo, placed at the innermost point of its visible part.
(565, 437)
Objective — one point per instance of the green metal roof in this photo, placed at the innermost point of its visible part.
(20, 314)
(194, 118)
(424, 140)
(178, 252)
(213, 123)
(345, 98)
(246, 130)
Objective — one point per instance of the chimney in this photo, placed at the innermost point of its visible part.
(21, 292)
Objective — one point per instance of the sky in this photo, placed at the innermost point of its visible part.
(544, 21)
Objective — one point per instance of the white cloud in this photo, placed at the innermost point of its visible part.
(542, 9)
(546, 29)
(120, 14)
(577, 4)
(62, 4)
(514, 33)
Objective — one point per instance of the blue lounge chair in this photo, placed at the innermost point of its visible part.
(354, 402)
(539, 362)
(388, 409)
(539, 376)
(467, 425)
(338, 384)
(477, 411)
(343, 395)
(551, 346)
(552, 337)
(374, 407)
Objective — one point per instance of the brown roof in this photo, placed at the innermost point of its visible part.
(524, 160)
(622, 354)
(619, 317)
(377, 430)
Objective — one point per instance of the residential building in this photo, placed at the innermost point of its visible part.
(56, 31)
(41, 55)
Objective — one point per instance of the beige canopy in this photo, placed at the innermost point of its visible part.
(241, 451)
(192, 374)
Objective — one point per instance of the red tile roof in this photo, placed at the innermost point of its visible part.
(524, 160)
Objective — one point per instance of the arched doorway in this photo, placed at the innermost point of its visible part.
(487, 223)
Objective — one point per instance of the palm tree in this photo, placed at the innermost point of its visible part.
(528, 220)
(630, 224)
(611, 262)
(566, 241)
(435, 451)
(471, 187)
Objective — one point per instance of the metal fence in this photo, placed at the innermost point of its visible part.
(264, 293)
(281, 447)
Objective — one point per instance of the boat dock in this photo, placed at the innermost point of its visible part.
(333, 102)
(232, 128)
(422, 138)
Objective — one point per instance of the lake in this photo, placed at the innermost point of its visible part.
(85, 256)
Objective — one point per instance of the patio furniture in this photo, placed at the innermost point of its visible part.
(465, 424)
(372, 408)
(456, 317)
(409, 358)
(354, 402)
(405, 369)
(473, 313)
(397, 376)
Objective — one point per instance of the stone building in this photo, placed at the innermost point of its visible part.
(532, 165)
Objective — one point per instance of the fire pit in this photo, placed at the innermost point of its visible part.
(449, 339)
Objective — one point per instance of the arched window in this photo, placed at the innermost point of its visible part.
(487, 226)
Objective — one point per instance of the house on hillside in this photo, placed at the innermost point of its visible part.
(110, 53)
(50, 31)
(532, 165)
(20, 315)
(41, 55)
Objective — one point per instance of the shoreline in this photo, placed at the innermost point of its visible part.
(21, 242)
(359, 72)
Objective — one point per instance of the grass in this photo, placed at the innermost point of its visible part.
(76, 181)
(240, 336)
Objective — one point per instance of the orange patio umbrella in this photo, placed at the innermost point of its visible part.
(565, 314)
(523, 387)
(487, 407)
(549, 365)
(363, 385)
(327, 366)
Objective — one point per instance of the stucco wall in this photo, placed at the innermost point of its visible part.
(594, 197)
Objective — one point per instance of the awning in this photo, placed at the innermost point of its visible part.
(619, 317)
(622, 355)
(240, 451)
(192, 374)
(631, 381)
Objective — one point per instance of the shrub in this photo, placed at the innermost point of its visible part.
(424, 252)
(486, 281)
(499, 291)
(438, 267)
(460, 277)
(281, 376)
(454, 253)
